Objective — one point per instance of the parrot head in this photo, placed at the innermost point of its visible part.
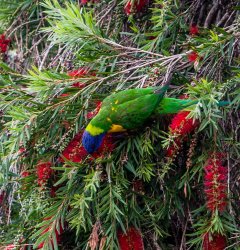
(92, 142)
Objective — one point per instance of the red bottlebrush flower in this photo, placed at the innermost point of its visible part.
(214, 242)
(4, 43)
(133, 6)
(44, 172)
(93, 113)
(193, 56)
(193, 30)
(75, 152)
(64, 95)
(182, 125)
(132, 240)
(215, 183)
(78, 72)
(21, 150)
(106, 147)
(25, 174)
(57, 233)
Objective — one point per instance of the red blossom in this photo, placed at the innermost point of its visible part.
(180, 127)
(93, 113)
(21, 150)
(193, 56)
(57, 233)
(132, 240)
(193, 30)
(181, 124)
(44, 172)
(78, 72)
(25, 174)
(133, 6)
(106, 147)
(75, 152)
(215, 183)
(4, 43)
(214, 242)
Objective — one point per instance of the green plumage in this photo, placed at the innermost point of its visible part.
(128, 108)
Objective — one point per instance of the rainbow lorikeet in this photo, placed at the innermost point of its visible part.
(129, 109)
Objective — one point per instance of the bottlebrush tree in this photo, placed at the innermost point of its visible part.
(172, 183)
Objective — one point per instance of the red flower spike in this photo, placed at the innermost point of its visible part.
(21, 150)
(78, 72)
(193, 56)
(58, 234)
(214, 242)
(25, 174)
(215, 184)
(75, 152)
(133, 6)
(132, 240)
(93, 113)
(44, 172)
(193, 30)
(4, 43)
(180, 127)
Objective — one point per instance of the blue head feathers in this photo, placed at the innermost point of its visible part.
(92, 143)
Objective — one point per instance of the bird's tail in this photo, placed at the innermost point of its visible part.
(173, 105)
(223, 103)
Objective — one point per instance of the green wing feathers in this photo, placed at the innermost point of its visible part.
(128, 108)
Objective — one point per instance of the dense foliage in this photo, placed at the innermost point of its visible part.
(171, 184)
